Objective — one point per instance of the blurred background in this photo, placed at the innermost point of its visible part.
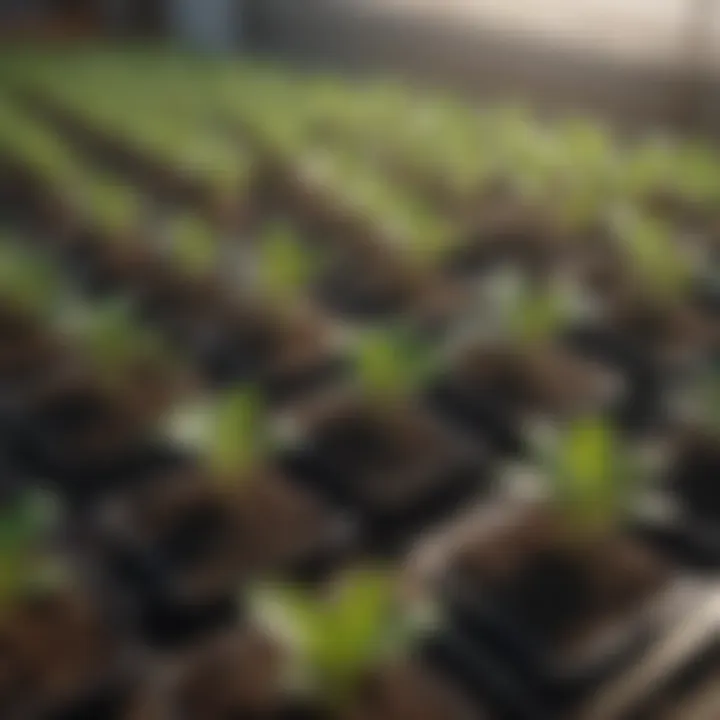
(655, 61)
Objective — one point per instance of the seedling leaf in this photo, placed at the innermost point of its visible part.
(239, 439)
(337, 637)
(391, 364)
(194, 246)
(592, 474)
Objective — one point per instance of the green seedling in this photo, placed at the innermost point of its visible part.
(697, 175)
(229, 433)
(650, 167)
(112, 206)
(26, 565)
(194, 245)
(28, 282)
(286, 267)
(392, 364)
(113, 340)
(654, 255)
(334, 640)
(527, 314)
(592, 474)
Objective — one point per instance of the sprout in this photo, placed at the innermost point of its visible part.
(335, 639)
(114, 207)
(391, 364)
(529, 314)
(698, 174)
(592, 474)
(651, 167)
(655, 256)
(27, 282)
(230, 432)
(114, 340)
(194, 245)
(286, 267)
(25, 565)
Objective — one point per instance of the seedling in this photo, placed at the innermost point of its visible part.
(193, 245)
(592, 475)
(527, 314)
(334, 640)
(113, 207)
(229, 433)
(657, 259)
(391, 364)
(27, 282)
(26, 565)
(114, 341)
(286, 267)
(698, 174)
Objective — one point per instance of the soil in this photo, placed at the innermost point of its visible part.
(561, 601)
(204, 539)
(395, 466)
(408, 691)
(694, 476)
(55, 652)
(237, 675)
(491, 389)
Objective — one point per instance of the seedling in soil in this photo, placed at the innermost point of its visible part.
(592, 475)
(229, 432)
(528, 313)
(336, 639)
(193, 245)
(115, 209)
(28, 283)
(114, 341)
(655, 256)
(286, 268)
(26, 565)
(391, 364)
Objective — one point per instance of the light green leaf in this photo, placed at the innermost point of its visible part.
(27, 280)
(391, 364)
(194, 246)
(286, 267)
(239, 439)
(592, 474)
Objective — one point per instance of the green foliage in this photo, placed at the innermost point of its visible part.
(240, 434)
(27, 281)
(25, 565)
(593, 475)
(230, 432)
(114, 340)
(337, 638)
(194, 245)
(391, 364)
(286, 267)
(527, 313)
(111, 205)
(654, 254)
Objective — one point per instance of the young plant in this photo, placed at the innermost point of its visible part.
(28, 283)
(334, 640)
(592, 475)
(285, 266)
(657, 259)
(26, 565)
(193, 245)
(391, 364)
(229, 433)
(114, 341)
(112, 207)
(527, 314)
